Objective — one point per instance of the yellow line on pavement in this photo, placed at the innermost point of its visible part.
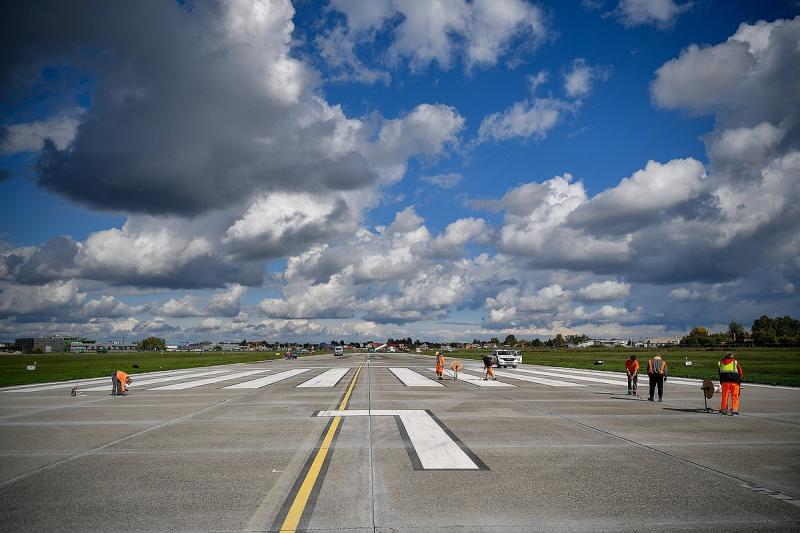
(295, 513)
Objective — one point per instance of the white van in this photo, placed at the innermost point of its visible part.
(506, 358)
(338, 350)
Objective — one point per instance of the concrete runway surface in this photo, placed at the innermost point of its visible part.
(374, 443)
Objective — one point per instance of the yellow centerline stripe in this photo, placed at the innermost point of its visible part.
(295, 513)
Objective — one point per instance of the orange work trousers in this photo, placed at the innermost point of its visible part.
(733, 390)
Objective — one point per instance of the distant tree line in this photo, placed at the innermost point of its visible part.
(765, 331)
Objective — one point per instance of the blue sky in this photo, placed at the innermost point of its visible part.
(444, 170)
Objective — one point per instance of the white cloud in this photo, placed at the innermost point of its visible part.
(29, 136)
(604, 291)
(579, 79)
(49, 298)
(661, 13)
(445, 181)
(480, 32)
(526, 119)
(227, 303)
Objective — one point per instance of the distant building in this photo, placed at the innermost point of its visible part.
(24, 344)
(660, 342)
(100, 347)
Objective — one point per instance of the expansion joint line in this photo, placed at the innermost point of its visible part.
(742, 482)
(304, 492)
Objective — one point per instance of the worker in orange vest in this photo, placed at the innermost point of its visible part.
(439, 364)
(632, 371)
(730, 378)
(119, 383)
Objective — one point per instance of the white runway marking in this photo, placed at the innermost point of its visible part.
(474, 380)
(329, 378)
(622, 382)
(540, 381)
(268, 380)
(207, 381)
(413, 379)
(435, 449)
(570, 372)
(139, 383)
(84, 382)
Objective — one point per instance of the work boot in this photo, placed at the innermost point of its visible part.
(735, 413)
(660, 400)
(722, 412)
(649, 399)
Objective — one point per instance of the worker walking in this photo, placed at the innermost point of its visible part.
(487, 368)
(439, 365)
(730, 378)
(632, 370)
(657, 372)
(119, 383)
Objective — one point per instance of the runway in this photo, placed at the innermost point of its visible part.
(373, 442)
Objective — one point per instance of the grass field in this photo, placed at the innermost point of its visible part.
(773, 366)
(63, 367)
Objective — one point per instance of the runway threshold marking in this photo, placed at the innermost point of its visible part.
(474, 380)
(138, 383)
(429, 443)
(329, 378)
(300, 496)
(409, 378)
(268, 380)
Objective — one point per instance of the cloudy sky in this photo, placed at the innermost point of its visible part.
(364, 169)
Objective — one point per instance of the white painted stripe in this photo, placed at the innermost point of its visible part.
(412, 379)
(567, 373)
(139, 382)
(329, 378)
(434, 447)
(268, 380)
(576, 377)
(540, 381)
(474, 380)
(207, 381)
(81, 382)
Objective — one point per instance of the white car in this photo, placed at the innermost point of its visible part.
(504, 358)
(338, 350)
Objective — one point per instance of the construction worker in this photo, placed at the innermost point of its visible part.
(632, 370)
(439, 364)
(657, 372)
(119, 383)
(730, 378)
(487, 367)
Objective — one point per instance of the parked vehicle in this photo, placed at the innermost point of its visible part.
(505, 358)
(338, 350)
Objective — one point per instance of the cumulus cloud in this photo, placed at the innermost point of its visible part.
(479, 32)
(49, 298)
(150, 143)
(604, 291)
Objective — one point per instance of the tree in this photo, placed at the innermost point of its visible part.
(151, 344)
(494, 340)
(511, 340)
(736, 331)
(536, 343)
(217, 348)
(559, 341)
(697, 337)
